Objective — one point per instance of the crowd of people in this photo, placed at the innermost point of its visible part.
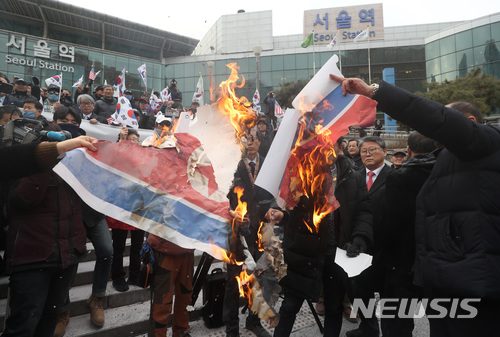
(428, 220)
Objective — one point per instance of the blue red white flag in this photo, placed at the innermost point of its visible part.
(333, 42)
(124, 115)
(165, 95)
(142, 72)
(198, 92)
(93, 75)
(256, 102)
(56, 80)
(79, 82)
(169, 192)
(119, 86)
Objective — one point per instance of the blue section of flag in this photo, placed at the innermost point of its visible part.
(334, 104)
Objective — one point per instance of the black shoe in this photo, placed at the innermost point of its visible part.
(359, 333)
(134, 280)
(120, 284)
(257, 328)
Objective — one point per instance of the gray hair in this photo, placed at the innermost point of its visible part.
(85, 97)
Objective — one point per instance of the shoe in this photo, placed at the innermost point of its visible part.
(347, 315)
(62, 322)
(96, 310)
(359, 333)
(181, 334)
(134, 280)
(120, 284)
(320, 308)
(257, 328)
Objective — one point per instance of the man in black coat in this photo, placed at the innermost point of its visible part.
(458, 255)
(352, 222)
(373, 151)
(106, 106)
(398, 245)
(244, 177)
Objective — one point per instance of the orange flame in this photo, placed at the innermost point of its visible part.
(315, 155)
(245, 283)
(259, 235)
(238, 109)
(166, 134)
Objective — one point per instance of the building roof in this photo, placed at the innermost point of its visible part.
(52, 15)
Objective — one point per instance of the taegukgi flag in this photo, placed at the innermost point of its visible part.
(198, 92)
(56, 80)
(142, 72)
(119, 86)
(124, 115)
(79, 82)
(256, 101)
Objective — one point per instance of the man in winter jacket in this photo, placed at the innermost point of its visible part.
(458, 255)
(398, 245)
(106, 106)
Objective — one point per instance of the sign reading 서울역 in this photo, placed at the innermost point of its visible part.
(347, 21)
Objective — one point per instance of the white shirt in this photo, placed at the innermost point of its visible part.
(376, 171)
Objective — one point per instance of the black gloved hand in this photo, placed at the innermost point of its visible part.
(35, 81)
(357, 246)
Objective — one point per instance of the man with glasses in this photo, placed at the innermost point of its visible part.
(86, 105)
(373, 151)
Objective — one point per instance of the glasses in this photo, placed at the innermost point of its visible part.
(371, 150)
(86, 104)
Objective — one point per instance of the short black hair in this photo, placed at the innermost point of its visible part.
(374, 139)
(61, 113)
(37, 103)
(419, 143)
(353, 140)
(10, 110)
(468, 109)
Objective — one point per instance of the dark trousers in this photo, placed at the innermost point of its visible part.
(288, 312)
(364, 287)
(98, 234)
(486, 322)
(334, 288)
(401, 287)
(119, 239)
(37, 297)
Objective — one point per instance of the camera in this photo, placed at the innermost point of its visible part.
(67, 101)
(6, 87)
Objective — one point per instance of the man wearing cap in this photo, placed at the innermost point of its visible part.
(52, 103)
(21, 90)
(398, 157)
(98, 93)
(147, 116)
(106, 106)
(130, 97)
(5, 97)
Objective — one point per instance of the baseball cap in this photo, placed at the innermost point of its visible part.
(21, 80)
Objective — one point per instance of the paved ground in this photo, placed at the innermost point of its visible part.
(305, 326)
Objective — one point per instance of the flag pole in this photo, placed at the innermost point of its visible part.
(314, 57)
(369, 63)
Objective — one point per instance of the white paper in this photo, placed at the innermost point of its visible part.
(353, 266)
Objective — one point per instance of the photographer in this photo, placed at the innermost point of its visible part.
(5, 93)
(174, 91)
(67, 99)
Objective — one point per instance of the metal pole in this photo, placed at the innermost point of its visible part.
(369, 65)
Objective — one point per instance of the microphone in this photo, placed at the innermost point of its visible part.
(56, 135)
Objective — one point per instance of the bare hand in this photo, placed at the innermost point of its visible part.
(123, 133)
(82, 141)
(93, 121)
(354, 86)
(57, 105)
(274, 215)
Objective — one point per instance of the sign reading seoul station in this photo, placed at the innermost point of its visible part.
(348, 22)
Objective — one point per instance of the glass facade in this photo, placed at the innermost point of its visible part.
(408, 61)
(454, 56)
(26, 62)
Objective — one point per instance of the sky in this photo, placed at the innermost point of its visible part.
(194, 18)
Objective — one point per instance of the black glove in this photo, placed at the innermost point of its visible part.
(357, 246)
(35, 81)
